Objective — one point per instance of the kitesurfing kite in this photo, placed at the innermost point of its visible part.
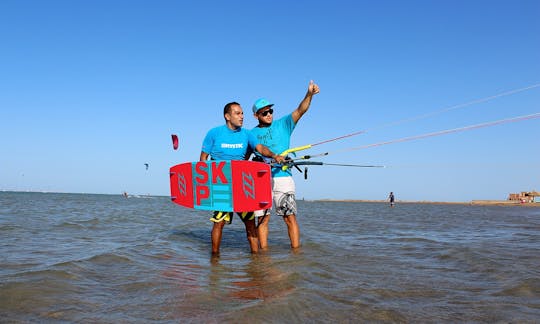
(174, 141)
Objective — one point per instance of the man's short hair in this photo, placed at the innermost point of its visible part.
(227, 108)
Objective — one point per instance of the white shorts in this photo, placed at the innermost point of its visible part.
(283, 193)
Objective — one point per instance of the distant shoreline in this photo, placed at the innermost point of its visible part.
(473, 202)
(509, 203)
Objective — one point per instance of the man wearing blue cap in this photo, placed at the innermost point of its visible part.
(276, 135)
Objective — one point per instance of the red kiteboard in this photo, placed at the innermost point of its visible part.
(222, 185)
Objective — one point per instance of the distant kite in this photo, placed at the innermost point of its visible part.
(174, 141)
(146, 165)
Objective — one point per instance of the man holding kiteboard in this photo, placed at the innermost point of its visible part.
(276, 135)
(232, 142)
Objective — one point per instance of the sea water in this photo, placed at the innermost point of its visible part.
(108, 259)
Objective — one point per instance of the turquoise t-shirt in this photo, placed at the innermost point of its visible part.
(277, 137)
(223, 143)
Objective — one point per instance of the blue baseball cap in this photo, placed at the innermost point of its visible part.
(261, 103)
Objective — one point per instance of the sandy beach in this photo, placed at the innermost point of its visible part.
(472, 202)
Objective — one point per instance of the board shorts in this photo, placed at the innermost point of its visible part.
(220, 216)
(283, 193)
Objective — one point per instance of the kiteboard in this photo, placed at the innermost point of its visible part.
(222, 185)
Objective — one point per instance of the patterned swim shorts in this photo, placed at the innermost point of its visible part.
(284, 196)
(220, 216)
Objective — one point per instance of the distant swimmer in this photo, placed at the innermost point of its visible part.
(391, 199)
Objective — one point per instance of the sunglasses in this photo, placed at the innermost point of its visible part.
(266, 112)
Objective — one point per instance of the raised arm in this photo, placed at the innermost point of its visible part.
(313, 89)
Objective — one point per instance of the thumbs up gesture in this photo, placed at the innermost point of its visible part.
(313, 88)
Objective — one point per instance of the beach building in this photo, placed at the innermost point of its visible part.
(525, 197)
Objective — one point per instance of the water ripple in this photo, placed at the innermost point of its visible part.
(100, 258)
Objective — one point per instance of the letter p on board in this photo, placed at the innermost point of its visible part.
(201, 193)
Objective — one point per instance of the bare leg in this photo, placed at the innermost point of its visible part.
(262, 231)
(293, 229)
(217, 230)
(253, 239)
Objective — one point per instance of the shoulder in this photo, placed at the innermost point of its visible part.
(256, 130)
(216, 130)
(241, 133)
(248, 133)
(285, 121)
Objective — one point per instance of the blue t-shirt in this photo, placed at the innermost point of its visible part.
(277, 137)
(223, 143)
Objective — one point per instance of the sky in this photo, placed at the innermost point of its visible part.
(90, 91)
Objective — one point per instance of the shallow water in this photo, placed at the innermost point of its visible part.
(104, 258)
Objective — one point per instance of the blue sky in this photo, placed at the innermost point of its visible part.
(92, 90)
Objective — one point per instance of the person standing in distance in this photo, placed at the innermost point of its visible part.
(391, 198)
(276, 135)
(232, 142)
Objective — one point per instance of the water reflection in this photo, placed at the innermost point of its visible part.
(257, 279)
